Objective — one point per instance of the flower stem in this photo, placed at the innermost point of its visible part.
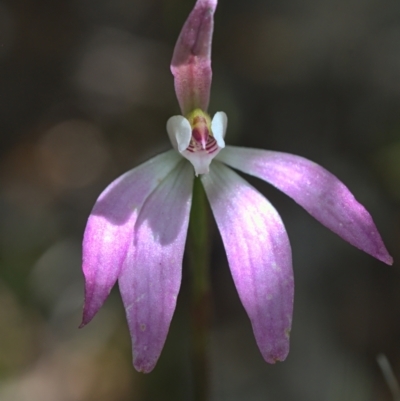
(199, 256)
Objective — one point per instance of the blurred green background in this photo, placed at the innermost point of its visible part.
(85, 92)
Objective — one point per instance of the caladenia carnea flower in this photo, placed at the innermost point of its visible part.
(137, 230)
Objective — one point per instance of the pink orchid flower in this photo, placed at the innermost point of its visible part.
(137, 230)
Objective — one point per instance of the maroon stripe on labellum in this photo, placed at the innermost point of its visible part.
(211, 146)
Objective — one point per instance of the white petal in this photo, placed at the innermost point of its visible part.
(201, 160)
(180, 132)
(218, 127)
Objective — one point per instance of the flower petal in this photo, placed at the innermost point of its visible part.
(200, 160)
(179, 132)
(259, 257)
(109, 229)
(218, 127)
(317, 190)
(150, 280)
(191, 61)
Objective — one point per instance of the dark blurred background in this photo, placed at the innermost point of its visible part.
(85, 93)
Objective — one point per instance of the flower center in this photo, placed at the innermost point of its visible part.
(197, 138)
(200, 132)
(202, 136)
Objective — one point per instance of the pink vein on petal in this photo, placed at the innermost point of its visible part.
(316, 190)
(151, 277)
(110, 227)
(259, 256)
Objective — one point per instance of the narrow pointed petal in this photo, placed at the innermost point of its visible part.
(316, 190)
(259, 257)
(191, 61)
(151, 276)
(110, 227)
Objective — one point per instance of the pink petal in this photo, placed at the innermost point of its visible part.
(151, 276)
(191, 61)
(317, 190)
(259, 257)
(109, 229)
